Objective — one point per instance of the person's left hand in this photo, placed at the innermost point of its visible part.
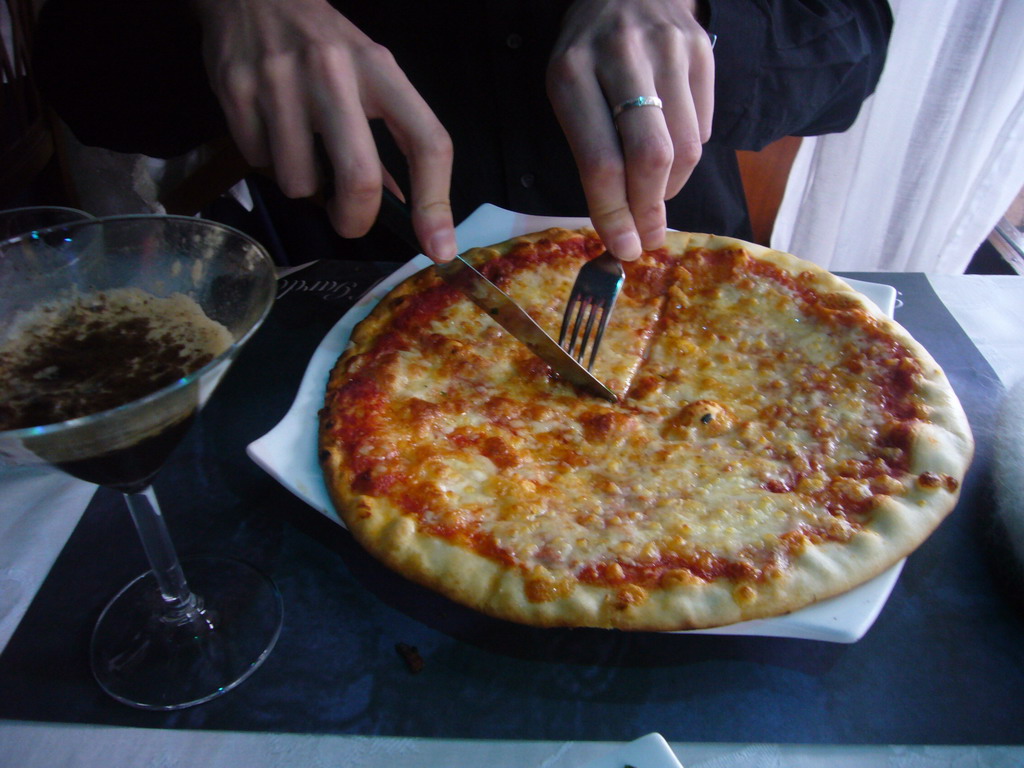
(613, 51)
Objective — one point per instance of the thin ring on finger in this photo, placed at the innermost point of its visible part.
(647, 152)
(635, 103)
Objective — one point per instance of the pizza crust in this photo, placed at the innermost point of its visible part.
(941, 447)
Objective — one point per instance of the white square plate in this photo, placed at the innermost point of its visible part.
(288, 452)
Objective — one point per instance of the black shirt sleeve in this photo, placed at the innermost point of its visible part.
(127, 75)
(793, 67)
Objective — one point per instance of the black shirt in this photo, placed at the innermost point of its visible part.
(127, 75)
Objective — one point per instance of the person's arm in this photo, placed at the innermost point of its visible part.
(127, 75)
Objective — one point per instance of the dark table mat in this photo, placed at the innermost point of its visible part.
(944, 663)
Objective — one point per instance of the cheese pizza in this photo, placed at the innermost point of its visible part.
(777, 439)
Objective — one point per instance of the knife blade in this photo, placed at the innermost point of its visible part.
(514, 319)
(462, 275)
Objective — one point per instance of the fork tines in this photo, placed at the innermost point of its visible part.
(593, 296)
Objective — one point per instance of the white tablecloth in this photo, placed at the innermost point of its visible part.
(39, 509)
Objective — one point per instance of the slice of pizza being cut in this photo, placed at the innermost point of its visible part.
(538, 272)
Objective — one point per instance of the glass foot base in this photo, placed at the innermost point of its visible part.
(147, 660)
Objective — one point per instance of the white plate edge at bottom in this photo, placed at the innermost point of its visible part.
(649, 751)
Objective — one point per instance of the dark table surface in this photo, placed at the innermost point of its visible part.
(943, 664)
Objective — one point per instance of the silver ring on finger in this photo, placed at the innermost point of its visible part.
(639, 101)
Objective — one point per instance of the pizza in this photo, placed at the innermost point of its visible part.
(776, 440)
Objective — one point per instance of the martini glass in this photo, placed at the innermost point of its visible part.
(18, 221)
(173, 637)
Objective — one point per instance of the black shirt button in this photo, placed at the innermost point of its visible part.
(514, 41)
(527, 180)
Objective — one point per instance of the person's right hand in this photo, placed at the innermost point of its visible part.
(285, 70)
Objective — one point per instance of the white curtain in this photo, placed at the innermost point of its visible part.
(935, 157)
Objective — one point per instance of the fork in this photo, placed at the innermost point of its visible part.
(593, 296)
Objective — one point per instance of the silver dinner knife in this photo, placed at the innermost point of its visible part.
(394, 214)
(514, 319)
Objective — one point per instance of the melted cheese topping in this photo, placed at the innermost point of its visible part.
(760, 417)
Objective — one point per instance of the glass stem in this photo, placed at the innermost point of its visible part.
(181, 604)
